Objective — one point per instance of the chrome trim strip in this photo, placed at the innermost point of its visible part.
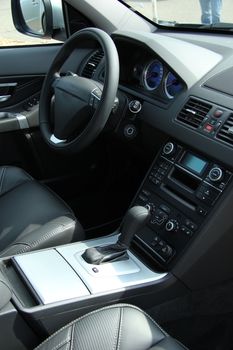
(22, 120)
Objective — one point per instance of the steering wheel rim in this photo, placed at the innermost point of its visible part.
(106, 102)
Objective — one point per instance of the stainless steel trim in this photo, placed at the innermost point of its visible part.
(8, 84)
(4, 98)
(22, 120)
(109, 276)
(55, 140)
(50, 277)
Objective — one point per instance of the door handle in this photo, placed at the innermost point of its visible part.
(6, 91)
(4, 98)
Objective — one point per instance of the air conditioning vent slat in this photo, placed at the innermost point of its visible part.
(226, 131)
(92, 64)
(194, 112)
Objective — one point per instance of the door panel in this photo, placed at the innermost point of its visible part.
(26, 60)
(24, 68)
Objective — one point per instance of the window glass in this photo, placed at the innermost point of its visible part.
(187, 13)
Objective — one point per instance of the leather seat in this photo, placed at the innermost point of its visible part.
(31, 216)
(117, 327)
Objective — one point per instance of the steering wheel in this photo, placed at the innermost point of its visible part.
(80, 106)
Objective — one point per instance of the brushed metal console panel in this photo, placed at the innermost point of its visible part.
(49, 276)
(109, 276)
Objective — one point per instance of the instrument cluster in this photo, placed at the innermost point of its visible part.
(153, 76)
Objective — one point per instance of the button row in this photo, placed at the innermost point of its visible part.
(164, 250)
(158, 172)
(207, 194)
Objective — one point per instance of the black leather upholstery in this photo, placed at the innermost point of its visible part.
(32, 216)
(117, 327)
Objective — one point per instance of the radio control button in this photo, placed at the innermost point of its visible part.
(146, 193)
(215, 174)
(160, 217)
(190, 225)
(166, 251)
(135, 106)
(201, 211)
(169, 148)
(164, 208)
(172, 226)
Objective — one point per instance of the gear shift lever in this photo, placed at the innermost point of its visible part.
(135, 219)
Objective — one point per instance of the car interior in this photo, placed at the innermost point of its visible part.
(116, 180)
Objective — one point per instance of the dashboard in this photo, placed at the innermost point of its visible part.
(183, 85)
(179, 85)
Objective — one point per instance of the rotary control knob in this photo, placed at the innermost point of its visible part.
(169, 148)
(172, 225)
(150, 207)
(130, 131)
(215, 174)
(135, 106)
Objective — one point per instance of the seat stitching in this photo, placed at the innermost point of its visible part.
(168, 336)
(5, 251)
(2, 177)
(63, 342)
(72, 337)
(50, 234)
(99, 310)
(120, 328)
(14, 188)
(117, 334)
(29, 245)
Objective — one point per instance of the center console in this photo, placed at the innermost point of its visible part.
(51, 287)
(181, 190)
(59, 274)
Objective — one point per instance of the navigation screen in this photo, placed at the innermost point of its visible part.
(193, 163)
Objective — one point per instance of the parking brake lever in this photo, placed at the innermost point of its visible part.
(134, 220)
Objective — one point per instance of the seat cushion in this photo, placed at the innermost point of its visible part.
(116, 327)
(31, 215)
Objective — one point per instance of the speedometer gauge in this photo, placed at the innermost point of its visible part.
(172, 85)
(152, 75)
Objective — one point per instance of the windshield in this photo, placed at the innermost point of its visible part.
(195, 13)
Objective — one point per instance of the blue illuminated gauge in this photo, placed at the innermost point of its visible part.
(152, 75)
(172, 85)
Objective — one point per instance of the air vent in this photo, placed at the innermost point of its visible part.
(92, 64)
(194, 112)
(226, 131)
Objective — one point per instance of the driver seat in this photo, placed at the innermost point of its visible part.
(32, 216)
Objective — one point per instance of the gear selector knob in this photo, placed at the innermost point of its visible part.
(134, 220)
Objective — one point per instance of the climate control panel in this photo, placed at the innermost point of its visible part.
(180, 190)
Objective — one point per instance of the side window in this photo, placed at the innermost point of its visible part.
(9, 36)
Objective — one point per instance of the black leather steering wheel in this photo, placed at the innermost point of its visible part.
(81, 106)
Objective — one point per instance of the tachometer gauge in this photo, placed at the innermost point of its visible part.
(172, 85)
(152, 75)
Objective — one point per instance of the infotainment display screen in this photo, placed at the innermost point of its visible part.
(193, 163)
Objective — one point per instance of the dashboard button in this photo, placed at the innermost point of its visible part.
(218, 113)
(135, 106)
(130, 131)
(164, 208)
(215, 174)
(169, 148)
(208, 128)
(201, 211)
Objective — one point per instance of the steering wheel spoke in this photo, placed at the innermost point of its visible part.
(55, 79)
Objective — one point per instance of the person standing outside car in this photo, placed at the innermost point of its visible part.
(211, 11)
